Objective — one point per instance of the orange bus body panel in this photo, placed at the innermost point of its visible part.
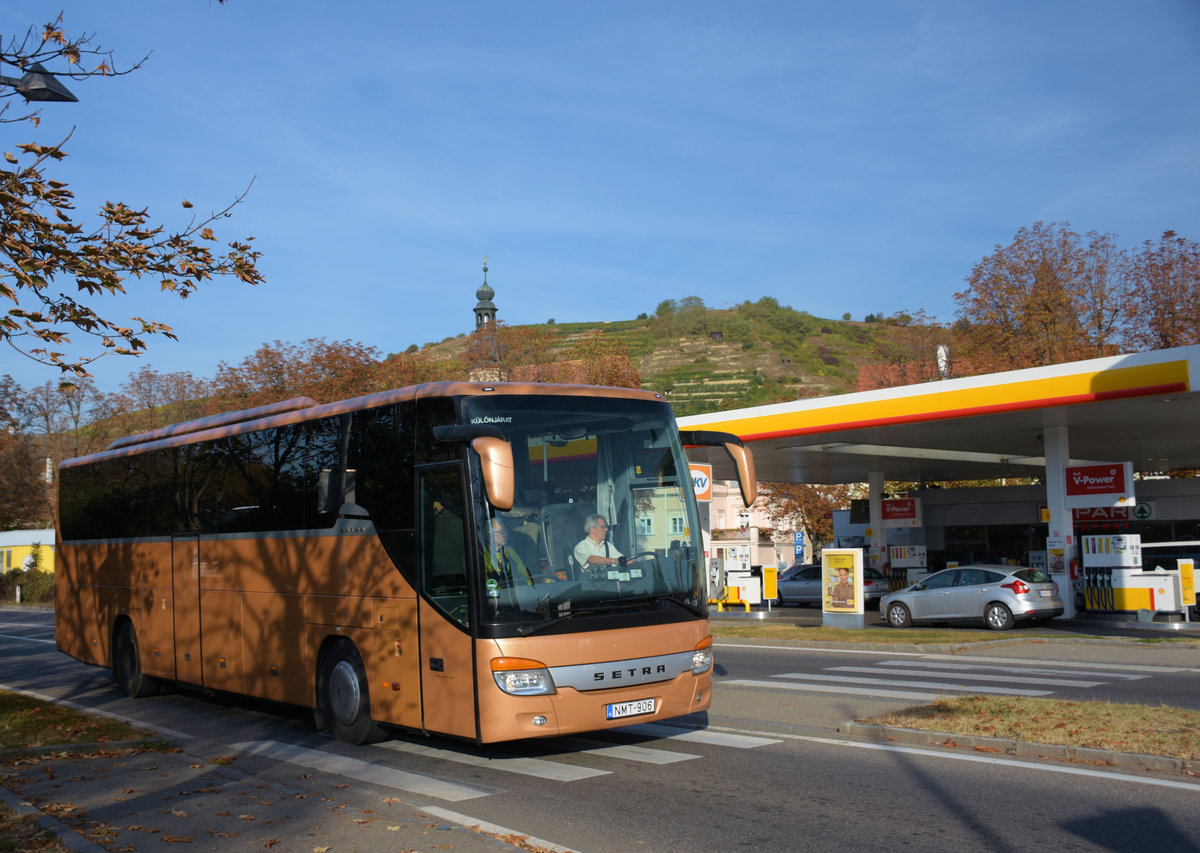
(570, 711)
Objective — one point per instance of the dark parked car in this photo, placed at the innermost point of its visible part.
(996, 595)
(801, 584)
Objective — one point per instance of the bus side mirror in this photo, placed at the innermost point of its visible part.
(742, 458)
(496, 462)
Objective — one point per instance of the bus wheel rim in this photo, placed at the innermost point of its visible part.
(344, 694)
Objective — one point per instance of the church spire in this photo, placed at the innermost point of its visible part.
(485, 309)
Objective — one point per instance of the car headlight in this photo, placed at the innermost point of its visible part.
(522, 677)
(702, 657)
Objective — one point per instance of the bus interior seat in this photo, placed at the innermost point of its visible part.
(562, 528)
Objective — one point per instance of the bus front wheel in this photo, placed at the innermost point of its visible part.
(344, 702)
(127, 664)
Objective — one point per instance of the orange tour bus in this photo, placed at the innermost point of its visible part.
(419, 558)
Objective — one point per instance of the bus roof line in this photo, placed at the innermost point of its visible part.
(300, 409)
(211, 421)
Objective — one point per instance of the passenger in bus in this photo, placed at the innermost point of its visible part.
(504, 563)
(595, 549)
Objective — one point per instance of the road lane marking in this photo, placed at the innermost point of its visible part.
(365, 771)
(833, 651)
(957, 675)
(25, 639)
(495, 829)
(979, 759)
(841, 688)
(537, 767)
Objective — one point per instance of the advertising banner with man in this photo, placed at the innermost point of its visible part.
(842, 587)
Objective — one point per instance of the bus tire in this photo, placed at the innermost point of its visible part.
(343, 697)
(127, 664)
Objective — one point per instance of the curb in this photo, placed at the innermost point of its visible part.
(1009, 746)
(68, 836)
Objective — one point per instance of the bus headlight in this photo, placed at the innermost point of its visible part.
(702, 657)
(522, 677)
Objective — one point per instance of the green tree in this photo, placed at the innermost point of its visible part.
(55, 268)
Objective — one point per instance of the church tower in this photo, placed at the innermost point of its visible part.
(485, 309)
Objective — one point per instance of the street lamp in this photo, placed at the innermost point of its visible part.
(38, 84)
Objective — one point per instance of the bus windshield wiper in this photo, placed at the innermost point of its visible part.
(664, 596)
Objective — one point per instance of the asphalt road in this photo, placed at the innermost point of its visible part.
(768, 768)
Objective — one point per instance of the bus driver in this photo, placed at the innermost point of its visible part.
(595, 549)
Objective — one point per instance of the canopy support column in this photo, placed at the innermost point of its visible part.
(1062, 526)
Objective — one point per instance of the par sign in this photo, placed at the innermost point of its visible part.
(701, 481)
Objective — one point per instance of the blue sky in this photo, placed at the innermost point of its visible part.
(852, 157)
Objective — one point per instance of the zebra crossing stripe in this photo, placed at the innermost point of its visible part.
(706, 736)
(629, 752)
(1019, 670)
(944, 686)
(365, 771)
(959, 676)
(538, 767)
(842, 688)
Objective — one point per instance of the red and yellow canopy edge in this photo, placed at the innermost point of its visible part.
(1047, 392)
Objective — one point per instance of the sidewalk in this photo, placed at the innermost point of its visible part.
(100, 797)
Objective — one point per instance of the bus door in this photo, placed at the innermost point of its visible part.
(446, 647)
(185, 584)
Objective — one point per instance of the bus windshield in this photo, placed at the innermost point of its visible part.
(603, 521)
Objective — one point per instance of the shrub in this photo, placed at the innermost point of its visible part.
(36, 586)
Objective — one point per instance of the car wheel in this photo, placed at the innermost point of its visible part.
(127, 665)
(344, 698)
(898, 615)
(998, 617)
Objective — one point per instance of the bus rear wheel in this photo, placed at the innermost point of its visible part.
(127, 664)
(344, 700)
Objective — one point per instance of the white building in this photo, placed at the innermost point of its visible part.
(727, 523)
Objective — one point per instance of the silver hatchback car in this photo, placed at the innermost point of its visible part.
(998, 595)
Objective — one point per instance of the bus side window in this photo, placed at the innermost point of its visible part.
(443, 544)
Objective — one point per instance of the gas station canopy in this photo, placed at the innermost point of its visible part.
(1143, 408)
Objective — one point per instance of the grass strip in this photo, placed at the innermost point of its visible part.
(1142, 729)
(29, 722)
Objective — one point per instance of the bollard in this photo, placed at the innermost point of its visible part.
(18, 593)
